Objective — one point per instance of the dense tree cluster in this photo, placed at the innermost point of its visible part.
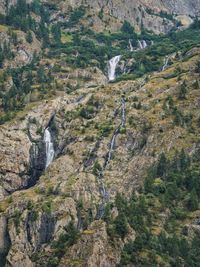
(172, 186)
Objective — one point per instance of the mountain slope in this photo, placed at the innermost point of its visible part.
(158, 16)
(68, 189)
(99, 171)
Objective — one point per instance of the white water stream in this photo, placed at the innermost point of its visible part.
(112, 64)
(49, 147)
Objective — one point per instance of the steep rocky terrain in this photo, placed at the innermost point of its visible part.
(108, 15)
(122, 181)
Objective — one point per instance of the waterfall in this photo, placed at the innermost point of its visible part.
(112, 67)
(112, 143)
(166, 60)
(49, 147)
(116, 132)
(103, 191)
(130, 45)
(123, 115)
(142, 44)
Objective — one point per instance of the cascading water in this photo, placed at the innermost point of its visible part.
(49, 147)
(112, 143)
(123, 115)
(142, 44)
(130, 45)
(166, 60)
(112, 64)
(103, 191)
(122, 124)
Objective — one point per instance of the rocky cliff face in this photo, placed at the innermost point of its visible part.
(139, 13)
(172, 6)
(105, 135)
(70, 190)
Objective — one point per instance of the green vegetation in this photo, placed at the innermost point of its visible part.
(183, 91)
(127, 28)
(162, 14)
(19, 17)
(90, 110)
(75, 16)
(85, 48)
(16, 219)
(198, 67)
(94, 49)
(65, 240)
(97, 169)
(172, 186)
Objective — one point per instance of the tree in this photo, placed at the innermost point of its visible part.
(127, 28)
(1, 58)
(120, 203)
(197, 67)
(41, 74)
(97, 169)
(148, 184)
(56, 33)
(22, 7)
(43, 34)
(162, 165)
(184, 160)
(66, 239)
(170, 102)
(29, 37)
(121, 226)
(196, 24)
(198, 122)
(193, 203)
(14, 37)
(183, 91)
(142, 205)
(178, 117)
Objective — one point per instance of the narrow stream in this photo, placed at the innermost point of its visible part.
(102, 188)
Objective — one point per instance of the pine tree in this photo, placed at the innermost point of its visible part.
(184, 160)
(197, 67)
(1, 58)
(56, 33)
(29, 37)
(120, 203)
(148, 183)
(162, 165)
(183, 91)
(127, 28)
(193, 203)
(121, 226)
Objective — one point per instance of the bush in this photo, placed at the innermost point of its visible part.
(29, 37)
(197, 67)
(96, 168)
(65, 240)
(127, 28)
(121, 226)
